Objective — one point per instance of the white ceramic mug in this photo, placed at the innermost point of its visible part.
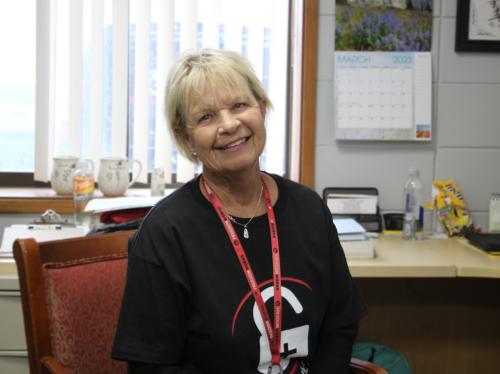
(113, 177)
(61, 178)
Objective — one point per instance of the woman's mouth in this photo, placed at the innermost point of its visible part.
(234, 144)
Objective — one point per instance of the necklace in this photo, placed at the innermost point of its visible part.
(246, 235)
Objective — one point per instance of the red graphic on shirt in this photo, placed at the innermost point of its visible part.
(262, 284)
(295, 340)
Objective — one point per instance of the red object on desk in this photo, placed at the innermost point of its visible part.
(124, 215)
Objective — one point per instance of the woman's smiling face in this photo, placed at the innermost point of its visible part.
(226, 129)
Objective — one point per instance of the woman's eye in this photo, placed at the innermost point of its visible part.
(240, 106)
(205, 119)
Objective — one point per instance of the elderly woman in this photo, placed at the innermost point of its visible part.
(238, 271)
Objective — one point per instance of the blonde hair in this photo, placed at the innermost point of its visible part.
(195, 72)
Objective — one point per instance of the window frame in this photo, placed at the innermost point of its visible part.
(307, 121)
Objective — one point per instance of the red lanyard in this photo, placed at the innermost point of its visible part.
(273, 330)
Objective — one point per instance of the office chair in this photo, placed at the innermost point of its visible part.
(364, 367)
(71, 293)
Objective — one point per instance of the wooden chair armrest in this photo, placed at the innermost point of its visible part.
(364, 367)
(54, 365)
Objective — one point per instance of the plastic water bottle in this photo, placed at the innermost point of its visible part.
(413, 206)
(83, 190)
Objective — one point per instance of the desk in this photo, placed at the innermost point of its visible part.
(38, 200)
(448, 258)
(13, 350)
(438, 301)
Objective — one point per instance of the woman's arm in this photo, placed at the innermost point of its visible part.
(334, 350)
(152, 323)
(345, 308)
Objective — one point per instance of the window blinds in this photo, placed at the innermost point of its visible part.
(102, 67)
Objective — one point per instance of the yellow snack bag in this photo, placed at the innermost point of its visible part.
(451, 207)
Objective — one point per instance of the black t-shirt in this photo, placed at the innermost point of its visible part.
(187, 304)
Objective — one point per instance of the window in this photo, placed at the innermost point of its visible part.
(101, 69)
(17, 85)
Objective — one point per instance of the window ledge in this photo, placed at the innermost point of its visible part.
(38, 200)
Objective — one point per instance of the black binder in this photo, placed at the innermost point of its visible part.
(371, 222)
(488, 242)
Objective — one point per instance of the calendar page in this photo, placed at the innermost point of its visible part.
(383, 95)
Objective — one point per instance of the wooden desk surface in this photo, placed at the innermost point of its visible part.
(394, 258)
(428, 258)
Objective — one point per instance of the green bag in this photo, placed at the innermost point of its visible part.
(390, 359)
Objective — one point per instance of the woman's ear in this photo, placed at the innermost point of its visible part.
(182, 133)
(263, 108)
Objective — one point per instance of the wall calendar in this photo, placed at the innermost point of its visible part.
(383, 96)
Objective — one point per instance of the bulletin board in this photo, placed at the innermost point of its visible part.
(383, 96)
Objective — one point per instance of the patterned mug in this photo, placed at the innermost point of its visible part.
(113, 177)
(61, 178)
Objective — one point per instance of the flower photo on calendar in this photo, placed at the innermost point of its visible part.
(376, 25)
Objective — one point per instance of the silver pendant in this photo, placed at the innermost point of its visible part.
(270, 370)
(245, 233)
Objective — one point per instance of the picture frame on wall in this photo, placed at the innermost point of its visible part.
(478, 26)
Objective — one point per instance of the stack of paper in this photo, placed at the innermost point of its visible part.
(353, 238)
(118, 203)
(352, 203)
(358, 248)
(349, 229)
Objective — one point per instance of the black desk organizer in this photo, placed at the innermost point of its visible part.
(489, 242)
(371, 222)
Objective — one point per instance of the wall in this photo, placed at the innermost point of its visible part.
(466, 125)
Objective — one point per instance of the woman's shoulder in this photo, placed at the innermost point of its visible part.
(295, 190)
(181, 201)
(301, 206)
(158, 228)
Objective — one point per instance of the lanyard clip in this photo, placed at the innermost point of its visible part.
(270, 370)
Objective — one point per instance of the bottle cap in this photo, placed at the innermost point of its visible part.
(414, 172)
(84, 166)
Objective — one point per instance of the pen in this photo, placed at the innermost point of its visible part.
(44, 227)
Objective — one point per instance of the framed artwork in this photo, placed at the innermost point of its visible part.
(478, 26)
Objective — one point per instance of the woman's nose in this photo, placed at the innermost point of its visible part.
(227, 120)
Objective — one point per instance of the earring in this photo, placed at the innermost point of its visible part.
(194, 154)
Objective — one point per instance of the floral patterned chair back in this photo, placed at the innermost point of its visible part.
(71, 292)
